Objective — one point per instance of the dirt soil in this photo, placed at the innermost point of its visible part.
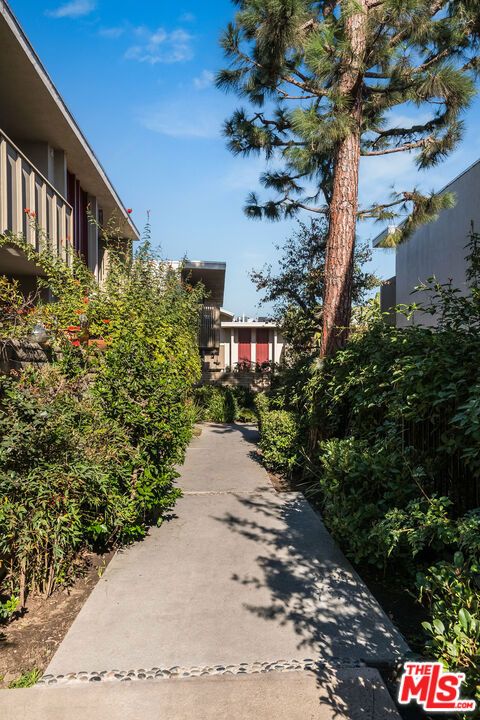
(30, 641)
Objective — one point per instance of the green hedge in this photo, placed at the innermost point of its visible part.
(393, 457)
(224, 404)
(89, 444)
(279, 440)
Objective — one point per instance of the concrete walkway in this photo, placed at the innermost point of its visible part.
(243, 581)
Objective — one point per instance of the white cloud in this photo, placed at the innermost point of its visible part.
(73, 9)
(204, 80)
(160, 46)
(111, 32)
(179, 119)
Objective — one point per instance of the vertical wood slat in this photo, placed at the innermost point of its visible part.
(69, 234)
(31, 229)
(30, 189)
(42, 215)
(63, 233)
(18, 196)
(3, 184)
(53, 223)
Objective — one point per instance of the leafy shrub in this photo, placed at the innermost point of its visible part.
(244, 396)
(64, 480)
(211, 400)
(220, 404)
(279, 438)
(451, 590)
(88, 445)
(247, 415)
(262, 405)
(8, 607)
(357, 484)
(230, 405)
(393, 455)
(422, 525)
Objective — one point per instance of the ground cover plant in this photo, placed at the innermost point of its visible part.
(88, 442)
(387, 443)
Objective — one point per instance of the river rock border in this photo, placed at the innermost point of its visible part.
(159, 673)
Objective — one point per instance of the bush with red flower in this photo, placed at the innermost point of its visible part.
(90, 443)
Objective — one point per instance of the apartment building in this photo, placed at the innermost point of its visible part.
(47, 166)
(437, 249)
(229, 344)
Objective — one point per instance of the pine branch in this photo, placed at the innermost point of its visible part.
(284, 207)
(395, 40)
(303, 83)
(378, 209)
(399, 148)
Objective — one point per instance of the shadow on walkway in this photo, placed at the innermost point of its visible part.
(314, 589)
(311, 585)
(249, 432)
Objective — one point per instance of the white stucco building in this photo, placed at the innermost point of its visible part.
(231, 347)
(248, 341)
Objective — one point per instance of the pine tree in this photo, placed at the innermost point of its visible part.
(322, 79)
(295, 287)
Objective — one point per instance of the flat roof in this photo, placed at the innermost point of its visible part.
(210, 273)
(381, 236)
(32, 110)
(249, 324)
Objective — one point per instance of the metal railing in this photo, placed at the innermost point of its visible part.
(23, 187)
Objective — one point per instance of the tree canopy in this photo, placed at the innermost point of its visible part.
(290, 59)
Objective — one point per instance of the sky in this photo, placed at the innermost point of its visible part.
(138, 77)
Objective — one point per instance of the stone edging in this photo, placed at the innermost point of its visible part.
(157, 673)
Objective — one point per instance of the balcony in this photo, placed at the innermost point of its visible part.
(23, 186)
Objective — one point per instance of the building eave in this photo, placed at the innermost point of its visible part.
(249, 324)
(52, 121)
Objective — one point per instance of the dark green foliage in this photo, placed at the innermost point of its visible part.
(224, 404)
(311, 84)
(66, 480)
(262, 405)
(231, 407)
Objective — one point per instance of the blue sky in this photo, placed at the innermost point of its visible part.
(138, 78)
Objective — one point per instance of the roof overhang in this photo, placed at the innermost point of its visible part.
(31, 109)
(226, 313)
(249, 324)
(211, 274)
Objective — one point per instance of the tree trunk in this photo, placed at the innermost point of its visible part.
(337, 303)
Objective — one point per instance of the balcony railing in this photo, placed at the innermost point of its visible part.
(22, 186)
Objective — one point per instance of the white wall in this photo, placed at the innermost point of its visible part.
(229, 341)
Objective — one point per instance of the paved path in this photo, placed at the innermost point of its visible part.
(241, 580)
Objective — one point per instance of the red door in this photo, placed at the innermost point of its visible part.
(244, 345)
(262, 346)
